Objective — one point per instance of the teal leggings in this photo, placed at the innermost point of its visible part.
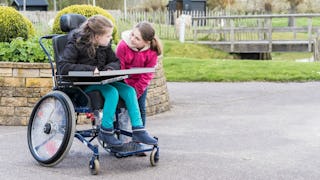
(111, 93)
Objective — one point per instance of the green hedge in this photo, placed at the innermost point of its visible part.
(13, 25)
(87, 11)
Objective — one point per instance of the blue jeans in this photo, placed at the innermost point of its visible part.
(142, 106)
(111, 93)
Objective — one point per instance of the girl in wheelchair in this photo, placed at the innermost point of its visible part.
(89, 49)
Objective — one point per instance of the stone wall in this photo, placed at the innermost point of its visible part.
(23, 84)
(158, 95)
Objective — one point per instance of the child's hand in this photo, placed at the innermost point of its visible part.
(96, 71)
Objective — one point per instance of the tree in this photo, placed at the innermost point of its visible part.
(268, 6)
(110, 4)
(293, 9)
(147, 5)
(105, 4)
(220, 4)
(293, 5)
(4, 2)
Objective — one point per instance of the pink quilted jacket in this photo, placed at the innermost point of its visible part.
(133, 58)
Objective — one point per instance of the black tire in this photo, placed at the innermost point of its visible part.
(154, 157)
(51, 128)
(94, 166)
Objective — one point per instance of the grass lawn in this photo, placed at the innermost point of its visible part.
(217, 70)
(190, 62)
(283, 22)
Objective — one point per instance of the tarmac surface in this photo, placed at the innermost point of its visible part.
(213, 131)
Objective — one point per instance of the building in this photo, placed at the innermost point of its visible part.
(31, 5)
(187, 5)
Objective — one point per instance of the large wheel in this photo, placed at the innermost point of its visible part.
(51, 128)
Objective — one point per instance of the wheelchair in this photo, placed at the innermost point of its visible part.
(52, 124)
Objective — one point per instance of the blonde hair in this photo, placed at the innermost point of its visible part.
(95, 25)
(148, 34)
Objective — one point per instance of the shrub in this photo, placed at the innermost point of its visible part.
(87, 11)
(13, 25)
(31, 30)
(19, 50)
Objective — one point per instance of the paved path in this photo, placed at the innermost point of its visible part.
(213, 131)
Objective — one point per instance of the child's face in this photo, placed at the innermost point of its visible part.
(104, 40)
(136, 39)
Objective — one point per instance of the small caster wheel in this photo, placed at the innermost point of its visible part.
(94, 166)
(154, 157)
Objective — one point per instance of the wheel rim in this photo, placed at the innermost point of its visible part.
(48, 128)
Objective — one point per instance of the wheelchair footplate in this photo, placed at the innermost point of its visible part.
(129, 149)
(132, 148)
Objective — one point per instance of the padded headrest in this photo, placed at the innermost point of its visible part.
(69, 22)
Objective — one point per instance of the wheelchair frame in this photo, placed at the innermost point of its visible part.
(52, 124)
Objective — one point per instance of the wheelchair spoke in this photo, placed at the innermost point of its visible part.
(44, 142)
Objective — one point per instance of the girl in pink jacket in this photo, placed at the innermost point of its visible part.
(138, 48)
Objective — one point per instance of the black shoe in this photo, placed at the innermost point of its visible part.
(139, 134)
(107, 136)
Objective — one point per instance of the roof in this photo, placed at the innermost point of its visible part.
(31, 2)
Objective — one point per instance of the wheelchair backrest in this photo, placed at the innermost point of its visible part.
(68, 23)
(59, 42)
(80, 99)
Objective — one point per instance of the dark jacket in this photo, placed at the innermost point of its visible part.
(75, 59)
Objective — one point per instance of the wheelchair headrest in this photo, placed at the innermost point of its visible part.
(69, 22)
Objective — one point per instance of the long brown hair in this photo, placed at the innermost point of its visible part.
(95, 25)
(148, 34)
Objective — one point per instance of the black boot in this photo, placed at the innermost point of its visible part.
(107, 136)
(139, 134)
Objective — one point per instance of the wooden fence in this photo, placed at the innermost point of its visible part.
(163, 21)
(240, 33)
(252, 26)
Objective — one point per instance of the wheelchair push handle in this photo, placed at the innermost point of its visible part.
(43, 46)
(50, 36)
(46, 51)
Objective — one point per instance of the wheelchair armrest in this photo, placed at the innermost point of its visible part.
(71, 80)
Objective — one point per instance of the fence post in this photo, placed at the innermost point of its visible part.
(195, 31)
(309, 33)
(182, 28)
(316, 49)
(270, 34)
(232, 34)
